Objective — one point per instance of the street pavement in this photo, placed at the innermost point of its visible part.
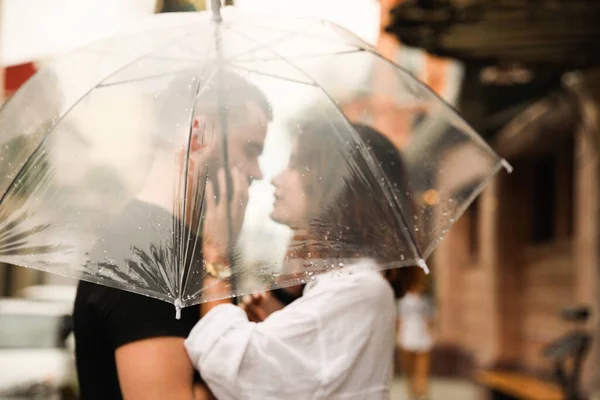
(440, 389)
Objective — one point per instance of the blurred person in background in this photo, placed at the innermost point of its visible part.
(338, 338)
(415, 333)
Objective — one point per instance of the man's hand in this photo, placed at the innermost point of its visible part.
(216, 230)
(259, 306)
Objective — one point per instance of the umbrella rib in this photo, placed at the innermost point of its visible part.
(183, 279)
(334, 53)
(371, 161)
(261, 46)
(144, 78)
(149, 57)
(303, 32)
(270, 75)
(229, 63)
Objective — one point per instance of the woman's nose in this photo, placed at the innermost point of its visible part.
(276, 180)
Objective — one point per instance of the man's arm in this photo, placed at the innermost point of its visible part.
(156, 368)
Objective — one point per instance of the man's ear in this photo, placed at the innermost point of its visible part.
(202, 132)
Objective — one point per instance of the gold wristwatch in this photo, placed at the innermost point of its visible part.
(218, 270)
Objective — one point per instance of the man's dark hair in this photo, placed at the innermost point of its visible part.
(353, 215)
(222, 89)
(229, 90)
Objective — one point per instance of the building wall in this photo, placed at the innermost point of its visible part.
(502, 305)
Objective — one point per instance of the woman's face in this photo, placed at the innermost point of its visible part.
(290, 205)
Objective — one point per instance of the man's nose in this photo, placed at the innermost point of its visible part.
(256, 173)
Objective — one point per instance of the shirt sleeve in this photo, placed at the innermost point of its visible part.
(134, 317)
(278, 358)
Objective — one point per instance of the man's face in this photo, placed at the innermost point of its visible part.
(245, 135)
(245, 142)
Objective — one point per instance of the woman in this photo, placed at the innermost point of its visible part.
(336, 340)
(415, 327)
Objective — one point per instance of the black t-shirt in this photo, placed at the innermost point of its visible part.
(106, 318)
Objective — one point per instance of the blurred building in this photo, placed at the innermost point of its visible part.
(524, 250)
(528, 246)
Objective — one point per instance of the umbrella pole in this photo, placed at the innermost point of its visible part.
(222, 111)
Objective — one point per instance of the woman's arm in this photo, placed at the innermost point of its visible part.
(278, 357)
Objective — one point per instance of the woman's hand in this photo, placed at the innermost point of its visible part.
(216, 235)
(259, 306)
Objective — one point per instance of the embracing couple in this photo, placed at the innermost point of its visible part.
(334, 339)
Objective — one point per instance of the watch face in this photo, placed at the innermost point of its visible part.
(219, 271)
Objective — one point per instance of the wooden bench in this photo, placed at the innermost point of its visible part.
(504, 385)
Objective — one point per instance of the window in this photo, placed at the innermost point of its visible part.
(543, 200)
(551, 201)
(473, 235)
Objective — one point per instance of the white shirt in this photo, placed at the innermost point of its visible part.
(415, 312)
(335, 342)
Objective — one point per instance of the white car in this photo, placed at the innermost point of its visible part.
(54, 293)
(35, 361)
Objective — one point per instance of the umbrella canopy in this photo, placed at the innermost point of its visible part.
(135, 161)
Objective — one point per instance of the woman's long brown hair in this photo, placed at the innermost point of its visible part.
(360, 197)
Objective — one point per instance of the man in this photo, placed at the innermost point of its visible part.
(129, 345)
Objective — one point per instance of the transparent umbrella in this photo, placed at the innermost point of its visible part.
(252, 148)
